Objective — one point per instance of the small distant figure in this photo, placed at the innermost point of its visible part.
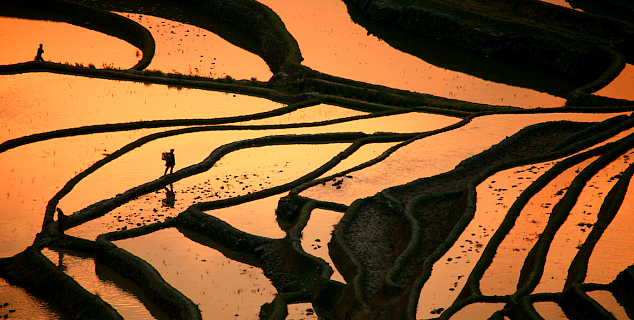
(170, 161)
(40, 50)
(61, 220)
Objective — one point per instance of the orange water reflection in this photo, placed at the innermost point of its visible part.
(222, 287)
(572, 234)
(495, 195)
(32, 174)
(616, 245)
(502, 275)
(331, 43)
(39, 102)
(97, 279)
(608, 301)
(63, 42)
(190, 50)
(25, 305)
(622, 87)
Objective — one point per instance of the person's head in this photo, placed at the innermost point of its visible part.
(172, 151)
(41, 45)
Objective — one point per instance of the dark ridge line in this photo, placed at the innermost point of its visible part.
(165, 296)
(578, 269)
(459, 228)
(120, 127)
(102, 207)
(30, 269)
(532, 270)
(381, 157)
(52, 204)
(472, 287)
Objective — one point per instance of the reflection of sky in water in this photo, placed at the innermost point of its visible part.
(572, 234)
(331, 43)
(622, 87)
(37, 102)
(221, 287)
(82, 269)
(25, 305)
(189, 50)
(432, 155)
(476, 311)
(502, 275)
(616, 245)
(607, 300)
(317, 233)
(495, 195)
(143, 164)
(40, 102)
(63, 42)
(549, 310)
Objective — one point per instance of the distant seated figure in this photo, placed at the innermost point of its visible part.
(40, 50)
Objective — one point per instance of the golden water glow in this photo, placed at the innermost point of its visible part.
(331, 43)
(622, 87)
(62, 42)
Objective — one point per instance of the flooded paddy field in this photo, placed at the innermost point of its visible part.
(291, 204)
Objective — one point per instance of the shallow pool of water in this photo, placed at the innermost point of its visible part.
(621, 87)
(190, 50)
(495, 195)
(23, 304)
(572, 234)
(40, 102)
(434, 155)
(607, 301)
(222, 287)
(332, 43)
(63, 43)
(98, 279)
(317, 234)
(502, 276)
(477, 311)
(33, 173)
(616, 245)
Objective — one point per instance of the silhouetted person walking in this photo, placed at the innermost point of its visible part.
(40, 50)
(170, 161)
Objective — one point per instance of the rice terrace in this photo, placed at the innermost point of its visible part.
(355, 159)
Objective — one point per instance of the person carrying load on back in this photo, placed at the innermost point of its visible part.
(170, 161)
